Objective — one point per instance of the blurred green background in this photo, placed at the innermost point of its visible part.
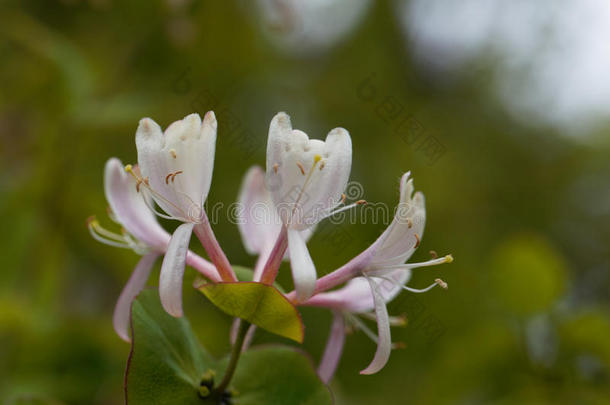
(523, 208)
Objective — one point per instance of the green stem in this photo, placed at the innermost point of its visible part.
(235, 354)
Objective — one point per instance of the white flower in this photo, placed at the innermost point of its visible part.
(381, 273)
(141, 233)
(177, 165)
(259, 223)
(306, 179)
(177, 171)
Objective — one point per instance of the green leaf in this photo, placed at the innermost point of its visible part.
(290, 380)
(259, 304)
(167, 363)
(246, 274)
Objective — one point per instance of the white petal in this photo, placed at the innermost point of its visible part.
(294, 176)
(303, 269)
(258, 221)
(134, 285)
(129, 207)
(333, 350)
(401, 238)
(384, 344)
(259, 224)
(172, 270)
(187, 150)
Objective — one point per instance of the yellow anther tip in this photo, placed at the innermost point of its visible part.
(448, 259)
(317, 158)
(128, 168)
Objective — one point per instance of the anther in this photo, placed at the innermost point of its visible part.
(361, 202)
(409, 223)
(343, 198)
(433, 254)
(275, 168)
(417, 241)
(91, 221)
(175, 174)
(172, 152)
(399, 345)
(167, 178)
(441, 283)
(300, 165)
(322, 165)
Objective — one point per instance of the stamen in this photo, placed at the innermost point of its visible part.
(438, 282)
(275, 168)
(322, 165)
(434, 254)
(409, 223)
(129, 169)
(343, 198)
(300, 165)
(417, 241)
(399, 346)
(358, 324)
(394, 320)
(175, 174)
(172, 152)
(410, 266)
(330, 213)
(441, 283)
(94, 230)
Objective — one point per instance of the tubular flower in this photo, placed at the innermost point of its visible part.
(140, 232)
(380, 272)
(259, 223)
(306, 178)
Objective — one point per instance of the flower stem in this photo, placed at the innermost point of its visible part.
(275, 258)
(235, 354)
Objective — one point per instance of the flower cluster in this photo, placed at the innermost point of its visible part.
(303, 184)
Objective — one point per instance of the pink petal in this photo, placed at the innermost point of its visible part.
(129, 207)
(172, 270)
(334, 348)
(384, 344)
(134, 285)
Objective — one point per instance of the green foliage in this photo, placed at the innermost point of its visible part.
(167, 364)
(259, 304)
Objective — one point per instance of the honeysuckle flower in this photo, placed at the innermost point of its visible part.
(176, 171)
(259, 223)
(382, 266)
(140, 232)
(306, 178)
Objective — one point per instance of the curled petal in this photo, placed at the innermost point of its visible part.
(172, 270)
(384, 343)
(129, 207)
(179, 163)
(334, 348)
(306, 177)
(303, 269)
(136, 283)
(401, 238)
